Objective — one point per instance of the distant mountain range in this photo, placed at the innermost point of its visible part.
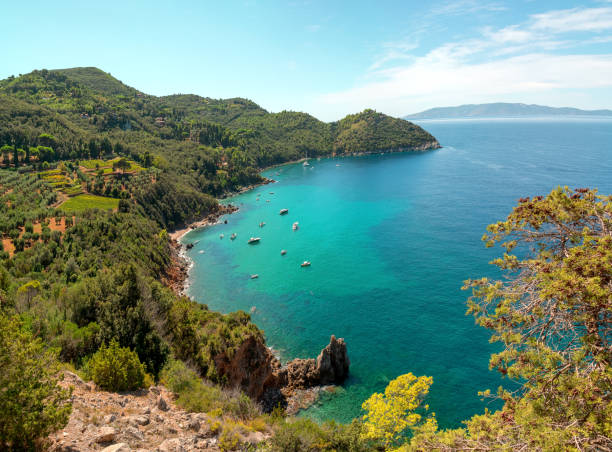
(502, 110)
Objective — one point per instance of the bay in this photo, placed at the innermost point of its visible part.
(391, 239)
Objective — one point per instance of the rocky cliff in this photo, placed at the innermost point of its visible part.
(255, 370)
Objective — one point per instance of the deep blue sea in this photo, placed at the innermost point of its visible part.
(391, 239)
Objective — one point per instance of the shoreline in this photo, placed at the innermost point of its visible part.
(178, 271)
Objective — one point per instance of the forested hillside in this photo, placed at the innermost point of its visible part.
(200, 146)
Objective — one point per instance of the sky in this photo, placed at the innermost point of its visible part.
(331, 57)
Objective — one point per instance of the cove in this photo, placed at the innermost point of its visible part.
(391, 239)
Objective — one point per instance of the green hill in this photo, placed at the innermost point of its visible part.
(97, 80)
(200, 146)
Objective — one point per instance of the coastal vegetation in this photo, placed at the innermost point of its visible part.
(93, 174)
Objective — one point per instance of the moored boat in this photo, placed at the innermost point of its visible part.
(253, 240)
(233, 236)
(255, 276)
(305, 264)
(283, 252)
(295, 226)
(284, 211)
(262, 224)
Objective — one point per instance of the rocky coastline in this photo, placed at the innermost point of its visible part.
(253, 367)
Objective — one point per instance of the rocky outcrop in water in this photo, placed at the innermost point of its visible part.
(255, 370)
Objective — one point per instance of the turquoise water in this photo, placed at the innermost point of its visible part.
(391, 238)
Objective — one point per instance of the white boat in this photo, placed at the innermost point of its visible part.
(233, 236)
(283, 252)
(295, 226)
(254, 240)
(262, 224)
(306, 163)
(221, 236)
(201, 251)
(255, 276)
(305, 264)
(283, 211)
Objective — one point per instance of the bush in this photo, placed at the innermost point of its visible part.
(306, 435)
(32, 405)
(116, 368)
(198, 396)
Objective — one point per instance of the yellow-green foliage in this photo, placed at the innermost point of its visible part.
(229, 439)
(32, 405)
(388, 415)
(116, 368)
(83, 202)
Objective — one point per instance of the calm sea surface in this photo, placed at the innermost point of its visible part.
(391, 238)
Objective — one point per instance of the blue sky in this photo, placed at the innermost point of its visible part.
(328, 58)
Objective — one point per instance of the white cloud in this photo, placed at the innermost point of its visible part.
(518, 62)
(562, 21)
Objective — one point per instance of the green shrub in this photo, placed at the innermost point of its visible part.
(229, 439)
(116, 368)
(300, 435)
(32, 405)
(196, 395)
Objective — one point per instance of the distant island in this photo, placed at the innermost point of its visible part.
(503, 110)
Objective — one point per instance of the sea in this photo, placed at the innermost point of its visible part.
(391, 239)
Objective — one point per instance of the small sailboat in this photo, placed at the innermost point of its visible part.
(283, 211)
(233, 236)
(305, 264)
(253, 240)
(295, 226)
(255, 276)
(262, 224)
(306, 163)
(283, 252)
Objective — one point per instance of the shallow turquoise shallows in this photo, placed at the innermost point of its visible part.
(391, 238)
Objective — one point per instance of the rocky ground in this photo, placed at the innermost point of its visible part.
(145, 420)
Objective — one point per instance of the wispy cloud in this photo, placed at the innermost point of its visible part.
(313, 28)
(519, 60)
(563, 21)
(456, 7)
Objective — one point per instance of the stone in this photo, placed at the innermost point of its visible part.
(134, 433)
(194, 425)
(106, 435)
(162, 404)
(72, 378)
(138, 420)
(333, 362)
(119, 447)
(109, 418)
(171, 445)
